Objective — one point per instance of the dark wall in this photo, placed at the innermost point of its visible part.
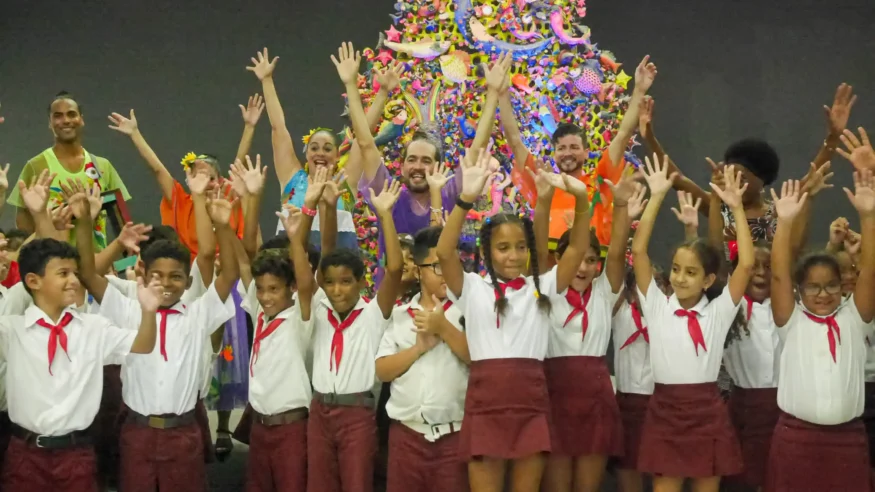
(728, 69)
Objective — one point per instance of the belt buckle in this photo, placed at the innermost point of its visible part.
(156, 422)
(329, 398)
(436, 431)
(37, 442)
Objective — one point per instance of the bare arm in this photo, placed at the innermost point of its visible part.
(23, 219)
(144, 342)
(541, 227)
(391, 367)
(456, 340)
(388, 78)
(230, 269)
(251, 114)
(93, 280)
(628, 200)
(512, 131)
(864, 201)
(129, 126)
(203, 226)
(788, 207)
(579, 236)
(645, 73)
(391, 284)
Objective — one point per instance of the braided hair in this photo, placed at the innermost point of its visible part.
(486, 230)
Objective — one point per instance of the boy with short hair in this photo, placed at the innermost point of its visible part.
(54, 394)
(424, 354)
(161, 443)
(341, 431)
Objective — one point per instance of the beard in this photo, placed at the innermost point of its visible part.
(418, 185)
(569, 165)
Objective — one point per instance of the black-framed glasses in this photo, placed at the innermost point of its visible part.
(436, 266)
(812, 290)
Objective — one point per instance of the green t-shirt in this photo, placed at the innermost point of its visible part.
(95, 169)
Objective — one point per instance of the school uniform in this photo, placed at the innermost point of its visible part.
(634, 377)
(426, 407)
(54, 394)
(687, 431)
(506, 416)
(820, 442)
(161, 442)
(753, 363)
(342, 429)
(585, 416)
(13, 301)
(279, 396)
(869, 397)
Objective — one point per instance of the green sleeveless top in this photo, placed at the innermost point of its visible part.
(96, 169)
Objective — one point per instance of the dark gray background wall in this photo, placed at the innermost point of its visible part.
(727, 69)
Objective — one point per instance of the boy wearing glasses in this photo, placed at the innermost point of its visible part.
(424, 354)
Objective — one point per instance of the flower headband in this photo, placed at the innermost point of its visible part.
(189, 159)
(306, 138)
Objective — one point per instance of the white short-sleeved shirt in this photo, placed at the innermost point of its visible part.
(152, 385)
(361, 340)
(9, 307)
(672, 351)
(754, 361)
(813, 387)
(66, 400)
(567, 340)
(631, 362)
(524, 329)
(433, 390)
(278, 380)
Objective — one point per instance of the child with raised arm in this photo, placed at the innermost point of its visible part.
(161, 442)
(506, 418)
(687, 432)
(54, 394)
(341, 430)
(424, 354)
(586, 428)
(820, 442)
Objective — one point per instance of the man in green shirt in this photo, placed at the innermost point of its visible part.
(68, 159)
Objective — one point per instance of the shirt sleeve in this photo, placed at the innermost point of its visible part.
(197, 287)
(111, 178)
(602, 285)
(115, 341)
(209, 312)
(548, 283)
(471, 282)
(723, 308)
(388, 344)
(128, 288)
(849, 310)
(16, 300)
(249, 301)
(654, 303)
(120, 310)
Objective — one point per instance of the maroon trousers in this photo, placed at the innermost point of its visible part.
(277, 458)
(341, 448)
(162, 459)
(586, 419)
(416, 464)
(107, 425)
(807, 457)
(31, 469)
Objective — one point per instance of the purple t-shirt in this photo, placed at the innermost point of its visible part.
(409, 216)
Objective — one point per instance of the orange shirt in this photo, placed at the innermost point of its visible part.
(563, 202)
(180, 216)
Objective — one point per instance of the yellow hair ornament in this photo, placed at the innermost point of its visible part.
(306, 138)
(188, 160)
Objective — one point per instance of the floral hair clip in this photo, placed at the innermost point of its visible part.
(306, 138)
(188, 160)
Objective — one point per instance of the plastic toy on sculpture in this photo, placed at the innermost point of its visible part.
(559, 75)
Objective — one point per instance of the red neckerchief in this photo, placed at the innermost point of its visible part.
(260, 335)
(693, 327)
(640, 329)
(337, 339)
(515, 284)
(832, 330)
(162, 329)
(578, 303)
(412, 312)
(56, 336)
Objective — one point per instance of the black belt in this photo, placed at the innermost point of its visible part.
(365, 399)
(287, 417)
(72, 440)
(162, 421)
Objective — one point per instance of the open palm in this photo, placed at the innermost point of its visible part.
(863, 197)
(262, 66)
(790, 203)
(123, 125)
(347, 63)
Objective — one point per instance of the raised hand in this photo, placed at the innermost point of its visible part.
(790, 203)
(625, 187)
(837, 115)
(816, 179)
(197, 182)
(252, 112)
(656, 175)
(838, 231)
(498, 74)
(689, 209)
(36, 195)
(544, 179)
(853, 242)
(76, 196)
(315, 186)
(251, 177)
(331, 193)
(132, 235)
(123, 125)
(863, 196)
(95, 201)
(637, 201)
(150, 296)
(732, 190)
(220, 207)
(859, 151)
(645, 74)
(383, 202)
(4, 178)
(2, 119)
(262, 65)
(62, 218)
(291, 219)
(347, 63)
(438, 176)
(389, 78)
(717, 172)
(475, 172)
(645, 114)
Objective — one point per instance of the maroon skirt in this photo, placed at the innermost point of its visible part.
(754, 414)
(633, 410)
(585, 416)
(809, 457)
(687, 433)
(507, 410)
(869, 420)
